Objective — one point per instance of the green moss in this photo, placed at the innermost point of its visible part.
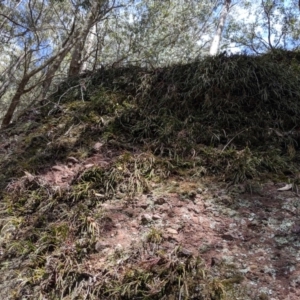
(154, 236)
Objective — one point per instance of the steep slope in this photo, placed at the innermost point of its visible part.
(156, 184)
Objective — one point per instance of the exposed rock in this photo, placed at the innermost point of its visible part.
(172, 231)
(97, 147)
(99, 246)
(156, 217)
(146, 219)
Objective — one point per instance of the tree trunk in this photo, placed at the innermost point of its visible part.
(53, 63)
(8, 74)
(75, 64)
(15, 102)
(88, 49)
(215, 45)
(77, 55)
(51, 72)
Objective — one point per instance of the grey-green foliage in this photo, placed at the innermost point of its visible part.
(149, 33)
(155, 33)
(260, 26)
(45, 33)
(31, 32)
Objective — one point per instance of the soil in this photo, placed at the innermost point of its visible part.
(255, 227)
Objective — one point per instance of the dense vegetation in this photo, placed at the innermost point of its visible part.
(232, 117)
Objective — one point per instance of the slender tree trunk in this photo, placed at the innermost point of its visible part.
(8, 74)
(215, 45)
(76, 60)
(89, 46)
(15, 102)
(77, 55)
(76, 40)
(51, 72)
(53, 63)
(75, 64)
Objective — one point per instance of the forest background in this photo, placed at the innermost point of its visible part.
(42, 42)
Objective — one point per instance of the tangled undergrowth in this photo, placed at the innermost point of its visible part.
(233, 117)
(222, 102)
